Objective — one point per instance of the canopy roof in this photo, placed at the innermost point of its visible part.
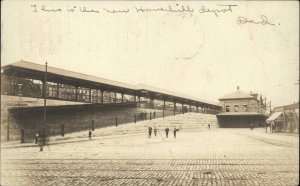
(274, 116)
(31, 70)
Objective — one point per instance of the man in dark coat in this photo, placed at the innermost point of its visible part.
(90, 134)
(167, 132)
(174, 131)
(155, 131)
(149, 132)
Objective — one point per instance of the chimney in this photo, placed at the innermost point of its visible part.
(254, 94)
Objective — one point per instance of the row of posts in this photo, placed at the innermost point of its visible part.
(102, 96)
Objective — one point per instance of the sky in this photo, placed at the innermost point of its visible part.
(203, 55)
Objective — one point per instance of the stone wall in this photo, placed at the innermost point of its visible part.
(8, 101)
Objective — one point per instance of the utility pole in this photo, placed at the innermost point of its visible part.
(45, 105)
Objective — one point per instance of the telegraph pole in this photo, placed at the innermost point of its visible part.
(45, 105)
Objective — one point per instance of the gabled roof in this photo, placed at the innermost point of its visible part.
(237, 95)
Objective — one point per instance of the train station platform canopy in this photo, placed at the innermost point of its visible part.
(25, 69)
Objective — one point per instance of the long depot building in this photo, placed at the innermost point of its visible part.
(75, 100)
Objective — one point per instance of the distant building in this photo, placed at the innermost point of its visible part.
(240, 109)
(286, 117)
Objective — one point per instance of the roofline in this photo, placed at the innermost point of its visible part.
(241, 114)
(128, 87)
(221, 99)
(287, 105)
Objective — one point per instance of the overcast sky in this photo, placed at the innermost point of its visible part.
(198, 54)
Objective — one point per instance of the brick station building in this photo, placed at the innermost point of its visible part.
(240, 109)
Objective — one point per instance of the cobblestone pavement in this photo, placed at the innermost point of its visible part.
(215, 157)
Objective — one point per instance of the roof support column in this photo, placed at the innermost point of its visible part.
(190, 108)
(76, 93)
(57, 90)
(102, 96)
(90, 98)
(182, 108)
(174, 108)
(109, 97)
(152, 103)
(197, 108)
(164, 107)
(115, 97)
(139, 99)
(97, 96)
(122, 97)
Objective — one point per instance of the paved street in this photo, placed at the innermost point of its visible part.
(215, 157)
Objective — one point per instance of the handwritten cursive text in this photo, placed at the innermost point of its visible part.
(263, 21)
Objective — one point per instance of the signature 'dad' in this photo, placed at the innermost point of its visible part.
(263, 21)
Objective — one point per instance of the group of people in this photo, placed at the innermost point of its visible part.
(274, 126)
(175, 130)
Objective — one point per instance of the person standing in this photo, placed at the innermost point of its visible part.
(149, 132)
(167, 132)
(41, 139)
(208, 126)
(36, 139)
(155, 131)
(174, 131)
(90, 134)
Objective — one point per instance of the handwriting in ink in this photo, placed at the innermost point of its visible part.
(44, 8)
(216, 11)
(34, 8)
(116, 11)
(264, 21)
(169, 9)
(71, 9)
(84, 9)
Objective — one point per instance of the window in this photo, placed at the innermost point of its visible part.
(227, 108)
(236, 108)
(245, 108)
